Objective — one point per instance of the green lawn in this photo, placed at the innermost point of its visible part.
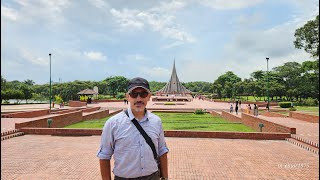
(308, 109)
(181, 121)
(305, 109)
(89, 124)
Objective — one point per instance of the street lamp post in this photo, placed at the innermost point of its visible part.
(268, 105)
(50, 85)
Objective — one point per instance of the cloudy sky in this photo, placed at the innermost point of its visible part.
(96, 39)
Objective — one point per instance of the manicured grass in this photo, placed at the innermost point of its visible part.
(89, 124)
(305, 109)
(181, 121)
(204, 122)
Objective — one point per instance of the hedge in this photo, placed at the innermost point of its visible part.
(285, 104)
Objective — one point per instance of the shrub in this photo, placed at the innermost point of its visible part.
(120, 96)
(83, 98)
(58, 99)
(199, 111)
(292, 109)
(285, 104)
(169, 103)
(310, 102)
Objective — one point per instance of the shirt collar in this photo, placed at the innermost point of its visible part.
(131, 116)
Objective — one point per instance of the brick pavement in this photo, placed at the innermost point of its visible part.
(56, 157)
(305, 130)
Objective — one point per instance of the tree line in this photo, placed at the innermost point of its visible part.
(291, 81)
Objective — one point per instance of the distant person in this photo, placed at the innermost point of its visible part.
(255, 110)
(249, 108)
(231, 108)
(53, 104)
(236, 108)
(240, 104)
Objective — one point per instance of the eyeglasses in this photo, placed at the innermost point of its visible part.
(143, 94)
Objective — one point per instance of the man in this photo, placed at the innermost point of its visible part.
(133, 157)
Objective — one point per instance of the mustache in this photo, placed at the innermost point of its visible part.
(139, 102)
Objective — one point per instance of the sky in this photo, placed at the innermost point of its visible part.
(96, 39)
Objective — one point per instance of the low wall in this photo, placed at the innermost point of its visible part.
(115, 112)
(254, 122)
(260, 104)
(304, 117)
(228, 135)
(60, 120)
(91, 109)
(173, 111)
(272, 114)
(215, 113)
(62, 131)
(106, 100)
(26, 114)
(195, 134)
(64, 111)
(96, 115)
(177, 109)
(77, 104)
(230, 117)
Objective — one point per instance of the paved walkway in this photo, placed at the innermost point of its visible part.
(56, 157)
(305, 130)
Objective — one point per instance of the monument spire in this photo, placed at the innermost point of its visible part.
(174, 86)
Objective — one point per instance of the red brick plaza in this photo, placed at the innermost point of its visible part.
(74, 157)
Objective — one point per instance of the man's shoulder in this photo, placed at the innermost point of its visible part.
(153, 117)
(117, 117)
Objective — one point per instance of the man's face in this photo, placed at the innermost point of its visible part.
(138, 99)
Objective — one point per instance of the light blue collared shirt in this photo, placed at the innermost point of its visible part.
(133, 157)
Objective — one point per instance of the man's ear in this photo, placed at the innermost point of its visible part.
(127, 96)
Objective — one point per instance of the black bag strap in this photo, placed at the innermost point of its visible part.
(145, 135)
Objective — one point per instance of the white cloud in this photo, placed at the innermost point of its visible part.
(127, 19)
(156, 73)
(34, 59)
(171, 45)
(159, 19)
(96, 56)
(136, 57)
(48, 12)
(100, 4)
(9, 13)
(229, 4)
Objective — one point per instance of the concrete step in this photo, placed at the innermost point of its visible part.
(311, 143)
(9, 132)
(303, 145)
(12, 135)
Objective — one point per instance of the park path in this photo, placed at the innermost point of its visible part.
(65, 157)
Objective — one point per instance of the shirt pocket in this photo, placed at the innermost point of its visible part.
(154, 137)
(127, 141)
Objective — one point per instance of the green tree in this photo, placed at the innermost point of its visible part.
(12, 94)
(156, 86)
(27, 91)
(3, 83)
(307, 37)
(117, 84)
(29, 82)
